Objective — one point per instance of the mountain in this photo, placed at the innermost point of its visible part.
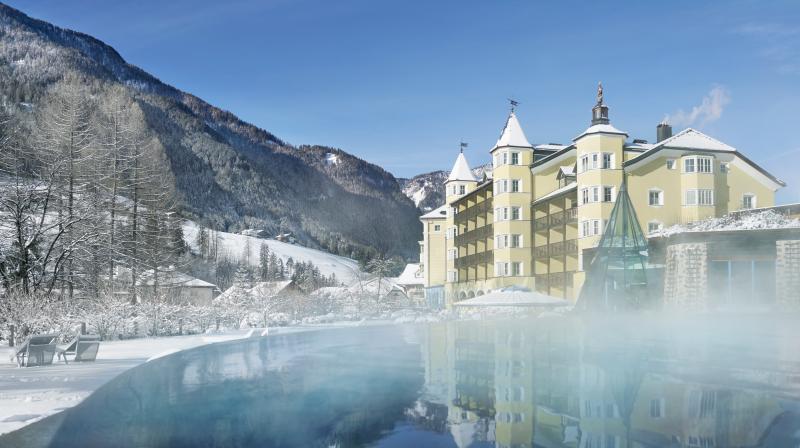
(228, 174)
(427, 190)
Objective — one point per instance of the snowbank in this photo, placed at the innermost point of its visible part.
(767, 219)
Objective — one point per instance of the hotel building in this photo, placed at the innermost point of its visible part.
(542, 210)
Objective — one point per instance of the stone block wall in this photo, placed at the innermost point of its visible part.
(686, 276)
(787, 273)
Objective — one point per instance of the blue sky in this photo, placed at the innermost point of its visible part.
(400, 83)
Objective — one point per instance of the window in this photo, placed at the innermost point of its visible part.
(595, 194)
(705, 197)
(505, 158)
(515, 186)
(500, 241)
(608, 194)
(594, 161)
(516, 213)
(697, 164)
(655, 197)
(607, 161)
(653, 226)
(516, 240)
(452, 254)
(704, 164)
(462, 189)
(515, 158)
(748, 201)
(724, 167)
(584, 196)
(699, 197)
(590, 227)
(584, 163)
(452, 276)
(670, 164)
(437, 228)
(691, 197)
(501, 269)
(516, 268)
(657, 408)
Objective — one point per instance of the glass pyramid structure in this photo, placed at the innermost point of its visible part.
(616, 279)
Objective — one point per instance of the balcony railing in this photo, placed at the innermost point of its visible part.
(557, 219)
(481, 233)
(473, 212)
(485, 257)
(556, 249)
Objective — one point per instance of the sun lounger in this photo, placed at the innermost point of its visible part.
(37, 350)
(82, 347)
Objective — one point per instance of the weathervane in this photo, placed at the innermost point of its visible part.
(463, 145)
(514, 104)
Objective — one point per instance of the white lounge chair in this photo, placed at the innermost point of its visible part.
(37, 350)
(82, 347)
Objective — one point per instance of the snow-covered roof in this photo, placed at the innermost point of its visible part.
(550, 146)
(564, 189)
(600, 129)
(693, 139)
(439, 213)
(513, 296)
(567, 170)
(197, 283)
(259, 290)
(169, 277)
(461, 170)
(512, 134)
(411, 275)
(767, 219)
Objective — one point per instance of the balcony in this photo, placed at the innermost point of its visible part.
(485, 257)
(473, 212)
(563, 248)
(557, 219)
(481, 233)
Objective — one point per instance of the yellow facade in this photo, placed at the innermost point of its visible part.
(545, 206)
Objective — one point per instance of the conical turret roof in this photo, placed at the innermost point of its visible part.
(461, 170)
(512, 134)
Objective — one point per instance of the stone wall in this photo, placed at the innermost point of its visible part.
(787, 273)
(686, 276)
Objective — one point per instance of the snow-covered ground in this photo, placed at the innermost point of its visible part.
(30, 394)
(233, 244)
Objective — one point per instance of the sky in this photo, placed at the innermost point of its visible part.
(401, 82)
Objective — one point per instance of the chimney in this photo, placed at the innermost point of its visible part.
(663, 131)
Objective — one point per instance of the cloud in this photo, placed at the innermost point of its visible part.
(780, 44)
(709, 110)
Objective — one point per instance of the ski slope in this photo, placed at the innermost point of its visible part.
(233, 245)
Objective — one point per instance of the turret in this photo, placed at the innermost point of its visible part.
(461, 179)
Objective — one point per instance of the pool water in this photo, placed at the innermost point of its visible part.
(550, 382)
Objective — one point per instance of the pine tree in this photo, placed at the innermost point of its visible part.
(263, 262)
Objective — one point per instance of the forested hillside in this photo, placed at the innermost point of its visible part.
(225, 173)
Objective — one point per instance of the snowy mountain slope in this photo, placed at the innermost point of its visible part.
(427, 190)
(233, 245)
(227, 173)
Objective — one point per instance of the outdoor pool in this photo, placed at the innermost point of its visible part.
(560, 381)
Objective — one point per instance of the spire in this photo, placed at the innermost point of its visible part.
(616, 279)
(600, 110)
(512, 134)
(461, 170)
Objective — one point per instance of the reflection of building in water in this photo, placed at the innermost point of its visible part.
(550, 386)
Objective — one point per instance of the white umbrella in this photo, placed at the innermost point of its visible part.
(513, 296)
